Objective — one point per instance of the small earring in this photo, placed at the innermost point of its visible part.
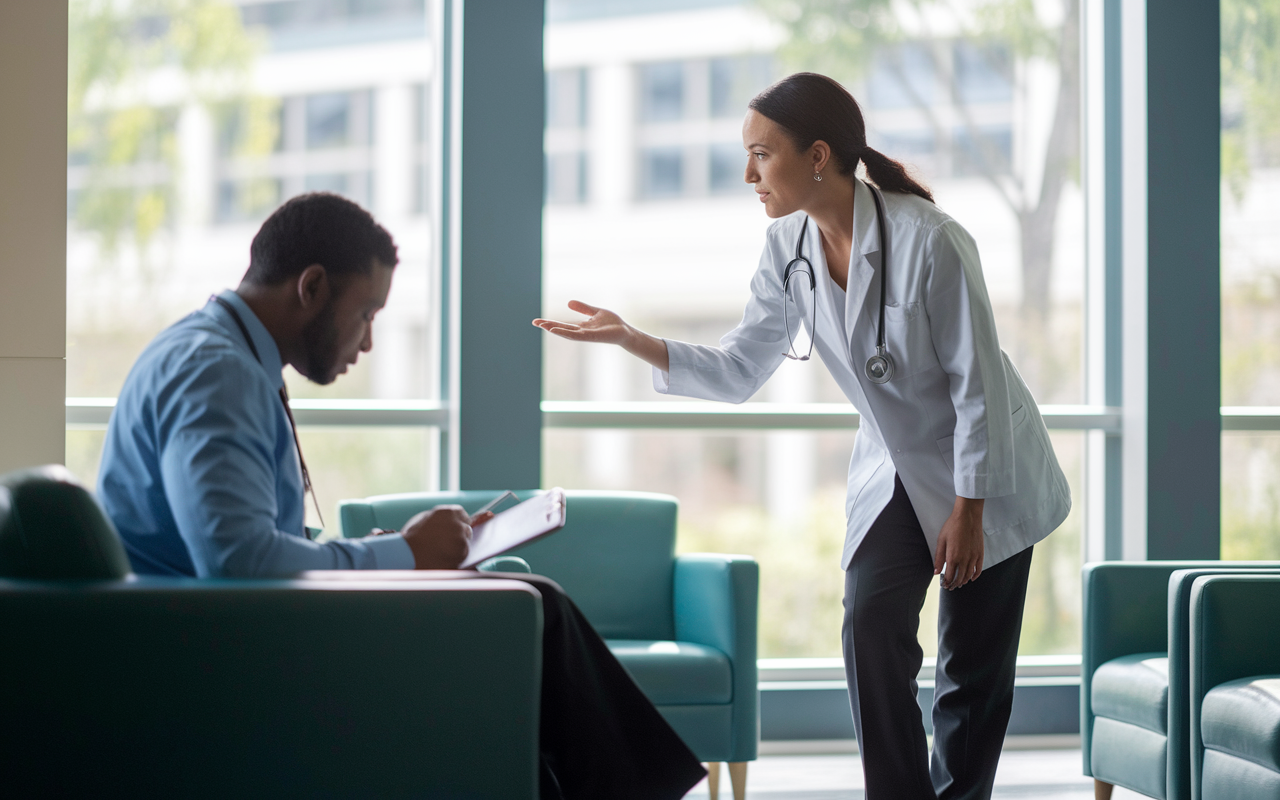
(817, 176)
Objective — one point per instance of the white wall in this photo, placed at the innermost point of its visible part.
(33, 213)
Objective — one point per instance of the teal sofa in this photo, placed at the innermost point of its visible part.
(1235, 687)
(344, 685)
(683, 626)
(1135, 712)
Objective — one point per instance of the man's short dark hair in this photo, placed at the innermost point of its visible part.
(318, 228)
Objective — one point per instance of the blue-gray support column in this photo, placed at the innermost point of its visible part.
(1172, 326)
(1113, 271)
(1184, 351)
(500, 282)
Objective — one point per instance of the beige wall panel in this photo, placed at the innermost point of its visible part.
(33, 184)
(33, 412)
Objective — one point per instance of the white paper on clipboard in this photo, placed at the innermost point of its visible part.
(532, 519)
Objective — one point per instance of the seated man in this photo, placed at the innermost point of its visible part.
(202, 475)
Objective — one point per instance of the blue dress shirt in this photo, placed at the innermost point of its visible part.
(200, 472)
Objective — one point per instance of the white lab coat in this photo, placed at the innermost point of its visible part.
(956, 419)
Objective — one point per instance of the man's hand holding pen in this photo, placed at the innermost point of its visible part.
(440, 538)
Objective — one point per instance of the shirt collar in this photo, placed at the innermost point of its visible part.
(866, 231)
(267, 350)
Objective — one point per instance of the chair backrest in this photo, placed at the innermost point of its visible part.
(51, 528)
(615, 555)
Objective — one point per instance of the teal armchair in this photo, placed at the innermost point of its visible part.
(340, 685)
(1134, 707)
(683, 626)
(1235, 687)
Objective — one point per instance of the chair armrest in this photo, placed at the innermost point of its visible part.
(1233, 620)
(1126, 610)
(716, 605)
(505, 564)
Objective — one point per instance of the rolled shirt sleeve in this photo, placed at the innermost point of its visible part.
(963, 330)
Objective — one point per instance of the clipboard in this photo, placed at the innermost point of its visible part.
(527, 522)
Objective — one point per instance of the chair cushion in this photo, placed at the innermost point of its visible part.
(1134, 689)
(1130, 756)
(1242, 718)
(1226, 777)
(676, 673)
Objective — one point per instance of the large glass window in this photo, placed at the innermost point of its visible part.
(679, 235)
(182, 142)
(1250, 272)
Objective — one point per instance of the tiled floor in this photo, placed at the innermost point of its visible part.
(1023, 775)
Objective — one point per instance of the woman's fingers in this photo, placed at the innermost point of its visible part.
(583, 308)
(548, 324)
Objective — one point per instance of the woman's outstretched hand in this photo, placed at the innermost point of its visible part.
(601, 325)
(605, 327)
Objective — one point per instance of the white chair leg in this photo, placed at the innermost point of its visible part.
(738, 777)
(713, 779)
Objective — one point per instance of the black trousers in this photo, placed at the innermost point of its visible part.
(600, 736)
(978, 629)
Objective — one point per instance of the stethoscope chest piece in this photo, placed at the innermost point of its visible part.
(880, 367)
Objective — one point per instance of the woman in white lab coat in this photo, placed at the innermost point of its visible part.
(952, 472)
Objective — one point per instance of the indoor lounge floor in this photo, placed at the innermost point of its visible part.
(1040, 774)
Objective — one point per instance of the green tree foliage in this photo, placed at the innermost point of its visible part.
(133, 66)
(1250, 89)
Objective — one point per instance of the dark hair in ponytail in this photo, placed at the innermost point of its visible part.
(810, 107)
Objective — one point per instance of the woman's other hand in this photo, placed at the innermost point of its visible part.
(605, 327)
(960, 545)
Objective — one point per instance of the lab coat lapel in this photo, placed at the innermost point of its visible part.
(864, 262)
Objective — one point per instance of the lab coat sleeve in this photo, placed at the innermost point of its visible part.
(747, 355)
(963, 330)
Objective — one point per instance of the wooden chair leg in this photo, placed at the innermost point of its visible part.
(713, 779)
(1101, 790)
(738, 777)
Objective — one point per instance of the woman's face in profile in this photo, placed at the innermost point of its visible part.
(781, 176)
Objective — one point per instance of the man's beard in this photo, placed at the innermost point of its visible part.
(320, 343)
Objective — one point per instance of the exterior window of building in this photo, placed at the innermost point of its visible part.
(982, 73)
(727, 168)
(903, 76)
(689, 124)
(735, 80)
(567, 156)
(170, 179)
(662, 171)
(662, 91)
(323, 142)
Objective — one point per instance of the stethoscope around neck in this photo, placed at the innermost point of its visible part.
(879, 367)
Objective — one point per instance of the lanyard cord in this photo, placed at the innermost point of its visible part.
(288, 412)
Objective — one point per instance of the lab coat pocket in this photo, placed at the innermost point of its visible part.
(947, 444)
(906, 335)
